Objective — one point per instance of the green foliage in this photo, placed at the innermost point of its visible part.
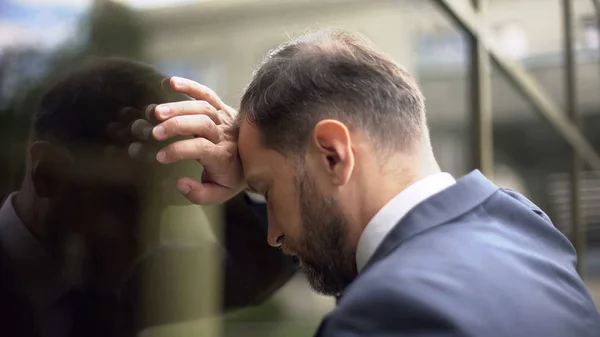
(114, 30)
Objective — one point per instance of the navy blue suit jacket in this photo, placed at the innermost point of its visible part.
(473, 260)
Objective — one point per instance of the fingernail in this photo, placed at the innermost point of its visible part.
(159, 132)
(184, 188)
(178, 81)
(161, 156)
(163, 110)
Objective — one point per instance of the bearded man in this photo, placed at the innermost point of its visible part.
(333, 134)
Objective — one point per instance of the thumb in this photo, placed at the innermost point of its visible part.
(204, 193)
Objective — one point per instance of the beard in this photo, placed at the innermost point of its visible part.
(83, 258)
(67, 250)
(326, 257)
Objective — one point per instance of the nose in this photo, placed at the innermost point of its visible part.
(274, 234)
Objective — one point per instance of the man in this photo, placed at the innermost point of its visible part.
(71, 236)
(333, 134)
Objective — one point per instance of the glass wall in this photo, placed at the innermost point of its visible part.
(219, 44)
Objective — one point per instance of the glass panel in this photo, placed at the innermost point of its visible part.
(441, 66)
(170, 273)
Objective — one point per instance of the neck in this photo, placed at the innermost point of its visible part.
(392, 178)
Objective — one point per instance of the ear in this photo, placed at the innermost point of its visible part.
(48, 167)
(332, 141)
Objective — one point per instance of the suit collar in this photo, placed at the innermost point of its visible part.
(468, 193)
(394, 210)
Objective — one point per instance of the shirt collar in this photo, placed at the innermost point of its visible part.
(32, 264)
(394, 210)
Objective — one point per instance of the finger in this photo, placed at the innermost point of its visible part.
(119, 133)
(170, 195)
(197, 91)
(150, 114)
(129, 114)
(203, 194)
(172, 95)
(112, 152)
(169, 110)
(142, 129)
(165, 85)
(200, 149)
(192, 125)
(115, 131)
(142, 152)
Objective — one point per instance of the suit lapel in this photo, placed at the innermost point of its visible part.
(468, 193)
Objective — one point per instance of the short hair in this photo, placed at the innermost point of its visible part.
(78, 107)
(332, 74)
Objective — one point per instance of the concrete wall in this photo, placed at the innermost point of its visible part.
(219, 43)
(234, 39)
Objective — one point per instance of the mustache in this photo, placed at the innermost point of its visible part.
(286, 249)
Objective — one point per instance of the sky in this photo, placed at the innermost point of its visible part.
(48, 23)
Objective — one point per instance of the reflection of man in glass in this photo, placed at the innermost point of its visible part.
(70, 237)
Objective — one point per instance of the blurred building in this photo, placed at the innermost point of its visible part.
(218, 43)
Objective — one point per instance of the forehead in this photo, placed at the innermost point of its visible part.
(256, 159)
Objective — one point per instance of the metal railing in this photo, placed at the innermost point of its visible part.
(471, 18)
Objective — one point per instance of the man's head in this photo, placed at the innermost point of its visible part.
(325, 119)
(74, 188)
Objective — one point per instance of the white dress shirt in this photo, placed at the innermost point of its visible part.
(255, 197)
(394, 210)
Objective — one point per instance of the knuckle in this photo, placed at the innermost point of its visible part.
(199, 146)
(203, 105)
(231, 112)
(176, 124)
(211, 94)
(204, 120)
(194, 122)
(175, 152)
(203, 123)
(228, 156)
(196, 86)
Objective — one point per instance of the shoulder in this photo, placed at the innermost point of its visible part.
(388, 302)
(483, 272)
(460, 296)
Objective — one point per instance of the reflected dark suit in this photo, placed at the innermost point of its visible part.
(253, 272)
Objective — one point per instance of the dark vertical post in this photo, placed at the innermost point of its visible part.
(577, 226)
(596, 4)
(482, 148)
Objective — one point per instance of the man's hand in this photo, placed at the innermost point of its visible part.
(211, 123)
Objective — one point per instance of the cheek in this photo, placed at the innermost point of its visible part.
(105, 223)
(284, 213)
(107, 226)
